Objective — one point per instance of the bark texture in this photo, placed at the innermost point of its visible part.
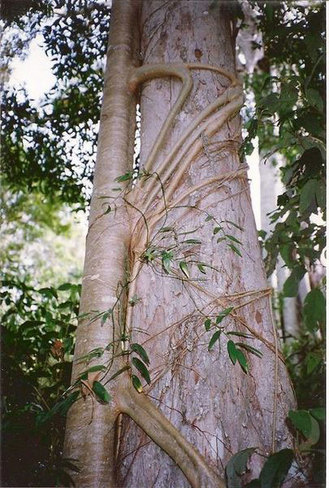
(217, 407)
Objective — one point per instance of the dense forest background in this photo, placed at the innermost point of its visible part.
(48, 152)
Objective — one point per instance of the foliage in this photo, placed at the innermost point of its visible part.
(50, 148)
(37, 343)
(289, 120)
(272, 475)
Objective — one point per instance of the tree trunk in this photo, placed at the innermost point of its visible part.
(168, 258)
(219, 408)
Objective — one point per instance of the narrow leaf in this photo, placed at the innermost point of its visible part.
(242, 360)
(235, 249)
(234, 225)
(184, 268)
(192, 241)
(93, 369)
(239, 334)
(141, 352)
(136, 383)
(201, 268)
(125, 177)
(250, 349)
(166, 265)
(207, 324)
(117, 373)
(142, 369)
(94, 353)
(232, 238)
(223, 314)
(231, 349)
(101, 392)
(214, 339)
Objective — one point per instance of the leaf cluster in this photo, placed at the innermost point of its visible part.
(37, 340)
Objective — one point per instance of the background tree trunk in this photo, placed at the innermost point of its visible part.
(217, 407)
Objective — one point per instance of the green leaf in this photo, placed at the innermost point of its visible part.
(141, 352)
(207, 324)
(250, 349)
(242, 360)
(201, 268)
(314, 436)
(166, 263)
(101, 392)
(286, 251)
(234, 225)
(48, 292)
(314, 98)
(94, 353)
(305, 423)
(320, 194)
(312, 361)
(301, 420)
(105, 316)
(221, 239)
(216, 230)
(117, 373)
(232, 351)
(314, 310)
(318, 413)
(136, 383)
(65, 286)
(208, 218)
(192, 241)
(290, 287)
(239, 334)
(223, 314)
(125, 177)
(184, 268)
(214, 339)
(142, 369)
(276, 468)
(235, 249)
(232, 238)
(93, 369)
(288, 97)
(308, 196)
(237, 466)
